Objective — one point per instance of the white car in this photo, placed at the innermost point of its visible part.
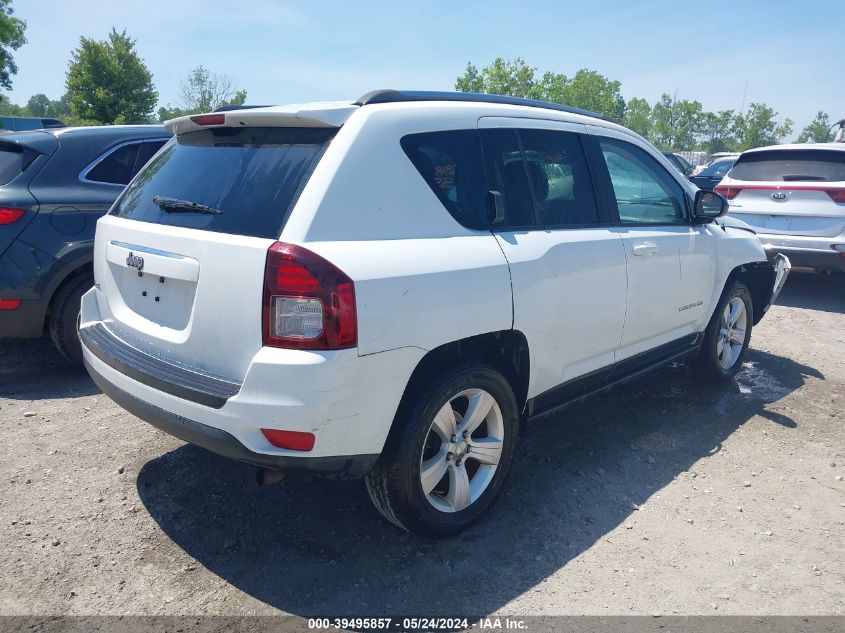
(390, 288)
(793, 196)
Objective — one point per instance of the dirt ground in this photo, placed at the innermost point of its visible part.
(663, 497)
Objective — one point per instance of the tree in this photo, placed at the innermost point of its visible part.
(758, 127)
(587, 89)
(677, 124)
(39, 105)
(818, 131)
(108, 82)
(717, 129)
(638, 117)
(202, 91)
(11, 39)
(513, 78)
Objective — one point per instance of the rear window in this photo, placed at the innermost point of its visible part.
(791, 165)
(252, 176)
(11, 164)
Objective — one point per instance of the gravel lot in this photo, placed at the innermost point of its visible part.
(662, 497)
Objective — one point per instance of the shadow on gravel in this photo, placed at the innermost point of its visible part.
(316, 547)
(34, 370)
(814, 291)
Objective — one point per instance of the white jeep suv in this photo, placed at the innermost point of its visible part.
(389, 288)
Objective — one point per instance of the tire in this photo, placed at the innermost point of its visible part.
(64, 315)
(472, 471)
(727, 336)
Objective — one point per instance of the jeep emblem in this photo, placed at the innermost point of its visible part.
(778, 195)
(133, 261)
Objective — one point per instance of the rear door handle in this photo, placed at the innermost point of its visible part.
(645, 248)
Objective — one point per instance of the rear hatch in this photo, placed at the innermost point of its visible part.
(184, 282)
(20, 156)
(789, 191)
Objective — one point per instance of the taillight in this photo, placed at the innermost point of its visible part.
(838, 195)
(292, 440)
(9, 215)
(726, 190)
(308, 302)
(209, 119)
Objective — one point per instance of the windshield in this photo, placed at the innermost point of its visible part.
(252, 176)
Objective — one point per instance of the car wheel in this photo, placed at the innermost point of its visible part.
(442, 470)
(728, 335)
(64, 315)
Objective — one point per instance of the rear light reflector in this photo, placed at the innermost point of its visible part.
(729, 192)
(838, 195)
(209, 119)
(9, 215)
(9, 304)
(308, 302)
(291, 440)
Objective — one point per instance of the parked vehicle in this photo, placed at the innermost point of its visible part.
(679, 162)
(54, 185)
(712, 175)
(794, 197)
(26, 123)
(390, 288)
(712, 158)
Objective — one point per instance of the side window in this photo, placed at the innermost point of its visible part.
(450, 163)
(560, 178)
(147, 151)
(542, 175)
(117, 167)
(506, 175)
(645, 192)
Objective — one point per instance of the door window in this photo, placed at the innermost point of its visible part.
(645, 192)
(147, 151)
(542, 176)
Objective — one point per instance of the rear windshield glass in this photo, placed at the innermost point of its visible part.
(791, 165)
(11, 164)
(246, 179)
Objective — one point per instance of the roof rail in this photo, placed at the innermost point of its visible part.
(394, 96)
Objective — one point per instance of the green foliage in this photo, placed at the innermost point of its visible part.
(676, 124)
(11, 39)
(638, 117)
(107, 81)
(202, 91)
(818, 131)
(671, 124)
(758, 127)
(587, 89)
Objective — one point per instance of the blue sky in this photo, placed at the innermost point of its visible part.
(791, 54)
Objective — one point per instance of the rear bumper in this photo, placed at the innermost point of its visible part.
(25, 321)
(347, 401)
(225, 444)
(806, 252)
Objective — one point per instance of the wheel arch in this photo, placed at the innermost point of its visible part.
(759, 277)
(504, 350)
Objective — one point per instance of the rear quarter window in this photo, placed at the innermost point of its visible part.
(11, 164)
(450, 163)
(253, 176)
(791, 165)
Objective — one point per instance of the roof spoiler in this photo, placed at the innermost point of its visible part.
(329, 114)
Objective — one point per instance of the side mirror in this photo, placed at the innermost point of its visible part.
(708, 206)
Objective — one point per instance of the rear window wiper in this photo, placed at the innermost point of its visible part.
(793, 177)
(175, 205)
